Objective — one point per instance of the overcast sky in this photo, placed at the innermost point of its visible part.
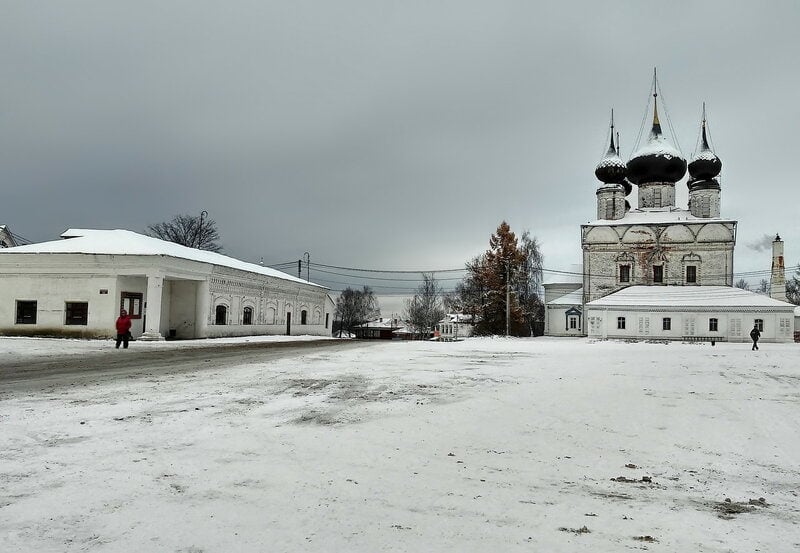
(384, 134)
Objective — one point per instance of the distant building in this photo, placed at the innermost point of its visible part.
(77, 286)
(454, 326)
(380, 329)
(658, 270)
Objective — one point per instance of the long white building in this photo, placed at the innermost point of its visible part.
(76, 287)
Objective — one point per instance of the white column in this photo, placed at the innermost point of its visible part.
(202, 301)
(155, 289)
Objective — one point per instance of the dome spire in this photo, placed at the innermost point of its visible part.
(705, 145)
(705, 165)
(656, 123)
(611, 169)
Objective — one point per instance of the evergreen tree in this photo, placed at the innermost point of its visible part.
(508, 274)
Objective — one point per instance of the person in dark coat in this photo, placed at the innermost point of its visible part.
(755, 334)
(123, 329)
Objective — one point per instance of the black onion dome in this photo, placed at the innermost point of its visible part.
(705, 165)
(611, 169)
(656, 161)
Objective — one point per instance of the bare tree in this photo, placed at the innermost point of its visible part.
(425, 309)
(194, 231)
(528, 284)
(355, 307)
(743, 284)
(793, 287)
(763, 286)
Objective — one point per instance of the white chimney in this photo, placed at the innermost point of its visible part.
(777, 282)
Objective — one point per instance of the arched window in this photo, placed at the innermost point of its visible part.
(221, 315)
(303, 317)
(247, 316)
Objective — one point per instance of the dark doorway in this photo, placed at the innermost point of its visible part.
(288, 324)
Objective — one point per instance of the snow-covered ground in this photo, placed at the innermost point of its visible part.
(481, 445)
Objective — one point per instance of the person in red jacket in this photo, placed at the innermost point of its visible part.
(123, 329)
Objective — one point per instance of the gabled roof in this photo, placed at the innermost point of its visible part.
(126, 242)
(687, 296)
(573, 298)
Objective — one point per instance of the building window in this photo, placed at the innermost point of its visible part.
(621, 323)
(658, 273)
(77, 313)
(327, 319)
(26, 312)
(656, 197)
(624, 273)
(666, 323)
(247, 316)
(691, 274)
(132, 303)
(609, 209)
(759, 324)
(713, 324)
(303, 317)
(221, 315)
(573, 323)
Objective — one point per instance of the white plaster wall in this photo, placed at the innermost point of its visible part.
(555, 322)
(182, 309)
(51, 292)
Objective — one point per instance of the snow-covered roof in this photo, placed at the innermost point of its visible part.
(126, 242)
(658, 216)
(573, 298)
(797, 311)
(572, 275)
(387, 322)
(686, 296)
(658, 145)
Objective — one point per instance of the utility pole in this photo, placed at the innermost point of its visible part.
(508, 294)
(198, 234)
(299, 268)
(307, 257)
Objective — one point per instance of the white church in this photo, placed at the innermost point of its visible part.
(658, 271)
(76, 286)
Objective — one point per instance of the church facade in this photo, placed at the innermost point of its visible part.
(658, 270)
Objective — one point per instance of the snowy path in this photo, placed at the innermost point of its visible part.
(482, 445)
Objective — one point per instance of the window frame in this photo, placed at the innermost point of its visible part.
(658, 274)
(19, 317)
(223, 309)
(624, 272)
(247, 315)
(127, 301)
(759, 324)
(691, 274)
(666, 323)
(71, 307)
(713, 324)
(303, 317)
(620, 323)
